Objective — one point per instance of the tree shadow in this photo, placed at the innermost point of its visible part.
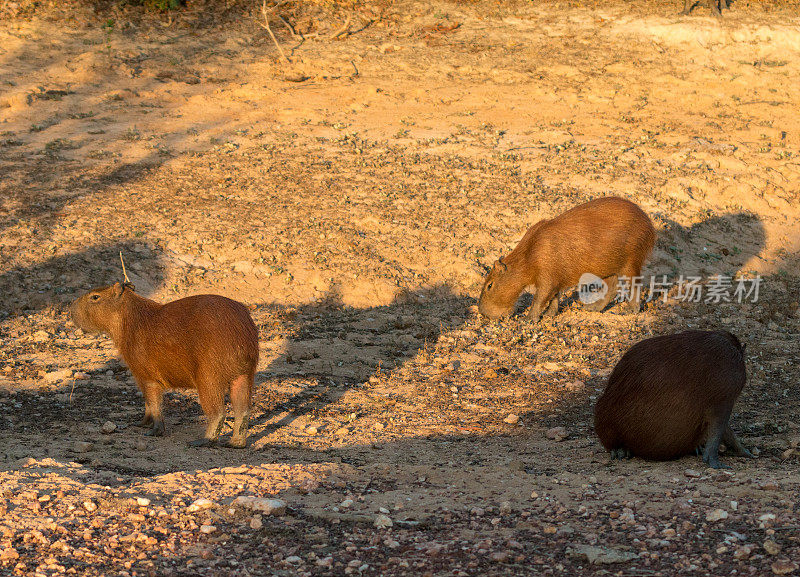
(60, 279)
(339, 347)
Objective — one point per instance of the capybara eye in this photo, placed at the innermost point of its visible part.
(489, 286)
(95, 297)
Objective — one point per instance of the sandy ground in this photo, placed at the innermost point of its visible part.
(353, 198)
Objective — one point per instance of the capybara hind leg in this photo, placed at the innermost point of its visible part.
(688, 5)
(716, 430)
(153, 401)
(241, 394)
(714, 5)
(732, 442)
(611, 293)
(212, 401)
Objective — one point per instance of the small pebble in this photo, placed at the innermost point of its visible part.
(382, 521)
(207, 529)
(557, 433)
(716, 515)
(771, 547)
(256, 523)
(511, 419)
(783, 567)
(142, 501)
(108, 427)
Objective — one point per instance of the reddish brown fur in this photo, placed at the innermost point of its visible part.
(205, 342)
(669, 395)
(608, 237)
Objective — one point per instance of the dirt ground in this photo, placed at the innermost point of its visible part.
(353, 198)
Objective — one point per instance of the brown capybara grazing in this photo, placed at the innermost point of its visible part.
(670, 395)
(607, 237)
(203, 342)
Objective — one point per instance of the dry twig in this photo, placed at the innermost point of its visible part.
(266, 27)
(344, 29)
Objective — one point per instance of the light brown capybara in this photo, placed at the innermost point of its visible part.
(670, 395)
(203, 342)
(607, 237)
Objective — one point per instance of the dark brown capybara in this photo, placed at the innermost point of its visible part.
(204, 342)
(716, 6)
(672, 394)
(607, 237)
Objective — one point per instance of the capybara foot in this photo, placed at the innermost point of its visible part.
(237, 442)
(146, 421)
(620, 454)
(715, 463)
(158, 429)
(202, 442)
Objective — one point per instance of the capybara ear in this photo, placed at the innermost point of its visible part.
(118, 289)
(129, 285)
(501, 264)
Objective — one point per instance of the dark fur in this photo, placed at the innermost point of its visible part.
(716, 6)
(608, 237)
(669, 395)
(205, 342)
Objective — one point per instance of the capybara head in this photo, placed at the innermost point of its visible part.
(500, 292)
(100, 309)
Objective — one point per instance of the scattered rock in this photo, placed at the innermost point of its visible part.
(575, 386)
(294, 560)
(769, 486)
(207, 529)
(256, 523)
(784, 567)
(382, 521)
(108, 427)
(142, 501)
(56, 376)
(771, 547)
(557, 433)
(346, 503)
(141, 445)
(596, 555)
(90, 505)
(82, 446)
(692, 474)
(275, 507)
(716, 515)
(200, 505)
(511, 419)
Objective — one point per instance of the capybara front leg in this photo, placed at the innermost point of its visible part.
(153, 401)
(714, 5)
(611, 293)
(542, 298)
(732, 441)
(620, 453)
(688, 5)
(241, 396)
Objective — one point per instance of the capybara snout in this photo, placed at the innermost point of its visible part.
(669, 396)
(204, 342)
(607, 237)
(98, 309)
(498, 296)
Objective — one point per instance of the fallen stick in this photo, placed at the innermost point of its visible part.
(266, 27)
